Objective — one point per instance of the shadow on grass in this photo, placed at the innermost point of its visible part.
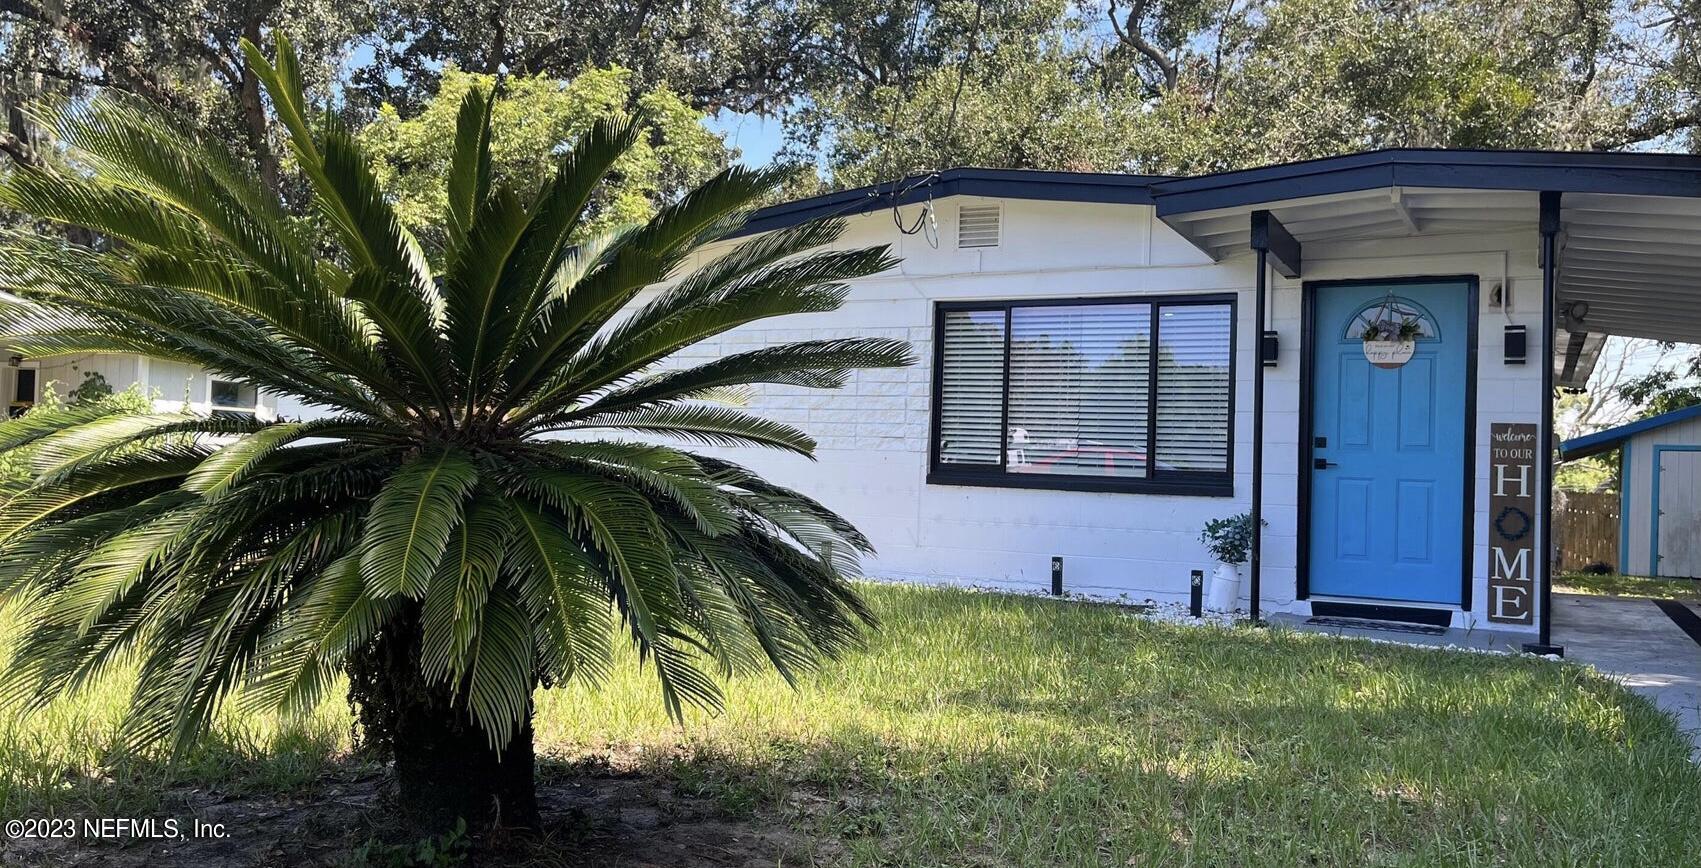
(978, 730)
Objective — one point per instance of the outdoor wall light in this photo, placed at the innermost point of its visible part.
(1517, 344)
(1268, 349)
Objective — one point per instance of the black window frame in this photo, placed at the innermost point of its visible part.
(1173, 482)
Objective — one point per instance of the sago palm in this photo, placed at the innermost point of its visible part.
(483, 502)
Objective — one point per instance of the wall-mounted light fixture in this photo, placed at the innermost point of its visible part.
(1269, 348)
(1517, 344)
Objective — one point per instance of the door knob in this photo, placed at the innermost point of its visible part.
(1322, 463)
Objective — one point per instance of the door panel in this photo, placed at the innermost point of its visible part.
(1387, 511)
(1679, 505)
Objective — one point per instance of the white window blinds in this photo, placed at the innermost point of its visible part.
(1193, 387)
(1078, 389)
(1124, 394)
(971, 387)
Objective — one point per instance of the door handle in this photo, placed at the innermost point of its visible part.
(1322, 463)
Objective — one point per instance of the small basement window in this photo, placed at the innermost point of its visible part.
(1125, 394)
(229, 397)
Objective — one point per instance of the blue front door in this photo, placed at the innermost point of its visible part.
(1388, 448)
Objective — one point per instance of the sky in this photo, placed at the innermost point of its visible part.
(756, 137)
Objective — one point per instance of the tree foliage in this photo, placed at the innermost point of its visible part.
(530, 120)
(1183, 87)
(880, 88)
(185, 57)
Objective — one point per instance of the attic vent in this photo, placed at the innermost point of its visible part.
(977, 226)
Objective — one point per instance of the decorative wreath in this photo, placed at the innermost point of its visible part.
(1523, 528)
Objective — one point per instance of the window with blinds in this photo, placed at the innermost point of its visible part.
(1078, 377)
(971, 386)
(1131, 394)
(1193, 387)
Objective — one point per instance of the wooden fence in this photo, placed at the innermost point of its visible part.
(1585, 529)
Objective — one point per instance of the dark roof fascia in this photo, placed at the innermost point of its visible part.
(1604, 441)
(1564, 171)
(1630, 173)
(999, 183)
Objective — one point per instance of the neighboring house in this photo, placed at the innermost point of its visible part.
(1659, 491)
(172, 385)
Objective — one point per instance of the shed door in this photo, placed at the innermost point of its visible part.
(1677, 513)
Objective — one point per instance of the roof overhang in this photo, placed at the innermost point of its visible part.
(1630, 233)
(1612, 438)
(1630, 224)
(1098, 187)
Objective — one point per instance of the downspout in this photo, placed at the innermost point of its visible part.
(1549, 227)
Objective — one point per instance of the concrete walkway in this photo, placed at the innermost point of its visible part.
(1633, 640)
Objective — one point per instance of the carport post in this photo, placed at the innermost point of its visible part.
(1268, 236)
(1549, 226)
(1255, 579)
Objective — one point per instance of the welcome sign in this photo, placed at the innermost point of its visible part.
(1512, 523)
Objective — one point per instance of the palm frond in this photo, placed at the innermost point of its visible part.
(231, 463)
(408, 527)
(455, 600)
(822, 364)
(705, 424)
(469, 169)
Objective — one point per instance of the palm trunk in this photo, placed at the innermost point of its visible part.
(445, 768)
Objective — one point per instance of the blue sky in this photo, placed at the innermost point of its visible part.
(758, 138)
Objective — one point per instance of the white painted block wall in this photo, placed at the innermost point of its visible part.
(874, 434)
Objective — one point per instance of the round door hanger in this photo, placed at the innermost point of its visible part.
(1389, 354)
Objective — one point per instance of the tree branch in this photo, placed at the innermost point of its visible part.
(1128, 32)
(1652, 128)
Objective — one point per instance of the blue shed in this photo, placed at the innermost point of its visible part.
(1660, 491)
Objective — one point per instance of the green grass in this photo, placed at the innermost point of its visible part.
(1628, 586)
(989, 730)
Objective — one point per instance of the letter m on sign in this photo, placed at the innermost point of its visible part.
(1518, 568)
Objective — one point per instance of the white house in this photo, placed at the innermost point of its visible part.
(1090, 372)
(173, 385)
(1659, 491)
(1090, 389)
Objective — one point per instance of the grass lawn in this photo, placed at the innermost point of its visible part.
(989, 730)
(1628, 586)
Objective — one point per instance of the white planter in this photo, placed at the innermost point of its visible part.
(1225, 587)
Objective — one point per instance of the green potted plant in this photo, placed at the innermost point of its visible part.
(1229, 540)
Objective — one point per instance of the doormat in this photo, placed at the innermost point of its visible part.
(1385, 626)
